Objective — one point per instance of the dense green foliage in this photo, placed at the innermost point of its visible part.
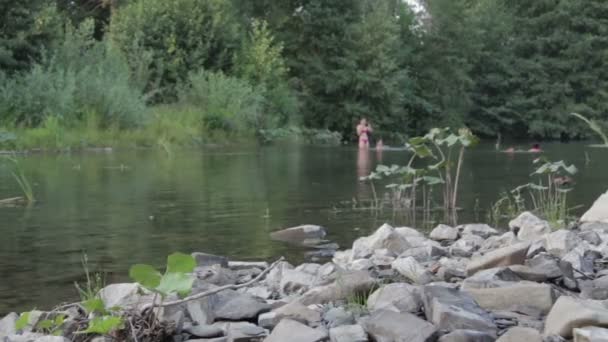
(511, 68)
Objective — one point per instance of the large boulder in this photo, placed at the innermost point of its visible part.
(480, 229)
(385, 237)
(515, 296)
(569, 313)
(389, 326)
(598, 211)
(519, 334)
(560, 242)
(529, 227)
(466, 336)
(292, 331)
(344, 286)
(412, 270)
(302, 235)
(397, 297)
(444, 232)
(347, 333)
(451, 309)
(506, 256)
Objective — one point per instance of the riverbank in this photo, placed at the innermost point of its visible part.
(465, 283)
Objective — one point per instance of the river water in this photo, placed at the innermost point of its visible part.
(138, 206)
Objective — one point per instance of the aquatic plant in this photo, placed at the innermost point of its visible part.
(594, 126)
(21, 179)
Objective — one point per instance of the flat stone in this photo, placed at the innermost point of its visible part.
(205, 331)
(292, 331)
(451, 309)
(492, 277)
(560, 242)
(240, 307)
(241, 331)
(444, 232)
(590, 334)
(545, 264)
(506, 256)
(7, 325)
(527, 273)
(412, 270)
(515, 296)
(346, 285)
(385, 326)
(569, 313)
(466, 336)
(529, 227)
(519, 334)
(204, 259)
(480, 229)
(348, 333)
(598, 211)
(397, 297)
(302, 235)
(384, 237)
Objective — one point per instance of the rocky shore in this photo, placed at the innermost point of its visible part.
(470, 283)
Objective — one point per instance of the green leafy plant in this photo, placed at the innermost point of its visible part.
(94, 282)
(23, 321)
(104, 325)
(594, 126)
(177, 279)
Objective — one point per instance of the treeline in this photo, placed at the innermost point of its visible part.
(513, 68)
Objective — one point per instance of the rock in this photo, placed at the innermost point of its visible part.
(389, 326)
(204, 259)
(25, 337)
(495, 242)
(598, 211)
(462, 335)
(492, 277)
(591, 237)
(569, 313)
(545, 264)
(246, 265)
(582, 258)
(310, 268)
(506, 256)
(343, 258)
(268, 320)
(537, 247)
(424, 253)
(292, 331)
(205, 331)
(347, 333)
(7, 325)
(597, 289)
(261, 292)
(302, 235)
(51, 339)
(397, 297)
(560, 242)
(451, 309)
(297, 312)
(295, 282)
(361, 265)
(384, 237)
(529, 227)
(482, 230)
(241, 331)
(127, 296)
(519, 334)
(408, 232)
(412, 270)
(273, 278)
(514, 296)
(240, 307)
(444, 232)
(335, 317)
(345, 285)
(466, 246)
(590, 334)
(215, 275)
(527, 273)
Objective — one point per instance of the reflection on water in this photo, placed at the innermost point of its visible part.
(139, 206)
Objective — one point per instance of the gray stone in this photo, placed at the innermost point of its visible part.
(345, 285)
(204, 259)
(261, 292)
(515, 296)
(569, 313)
(590, 334)
(412, 270)
(361, 265)
(529, 227)
(302, 235)
(466, 246)
(527, 273)
(495, 242)
(545, 264)
(127, 296)
(51, 339)
(25, 337)
(310, 268)
(292, 331)
(273, 278)
(347, 333)
(397, 297)
(424, 253)
(215, 275)
(467, 336)
(205, 331)
(599, 227)
(408, 232)
(482, 230)
(247, 265)
(582, 258)
(506, 256)
(336, 317)
(7, 325)
(591, 237)
(492, 277)
(297, 312)
(598, 211)
(295, 282)
(240, 307)
(444, 232)
(389, 326)
(560, 242)
(451, 309)
(241, 331)
(384, 237)
(519, 334)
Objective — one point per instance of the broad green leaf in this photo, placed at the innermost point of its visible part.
(94, 305)
(179, 283)
(46, 324)
(180, 263)
(146, 275)
(23, 321)
(104, 325)
(59, 320)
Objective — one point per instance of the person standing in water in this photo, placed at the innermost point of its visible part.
(364, 130)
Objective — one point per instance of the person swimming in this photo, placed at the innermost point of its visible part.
(364, 130)
(535, 149)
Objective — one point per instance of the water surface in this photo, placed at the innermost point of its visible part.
(139, 206)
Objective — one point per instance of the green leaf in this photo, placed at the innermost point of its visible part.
(94, 305)
(46, 324)
(23, 321)
(146, 275)
(179, 283)
(59, 320)
(180, 262)
(104, 325)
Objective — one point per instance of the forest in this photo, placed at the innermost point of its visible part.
(155, 72)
